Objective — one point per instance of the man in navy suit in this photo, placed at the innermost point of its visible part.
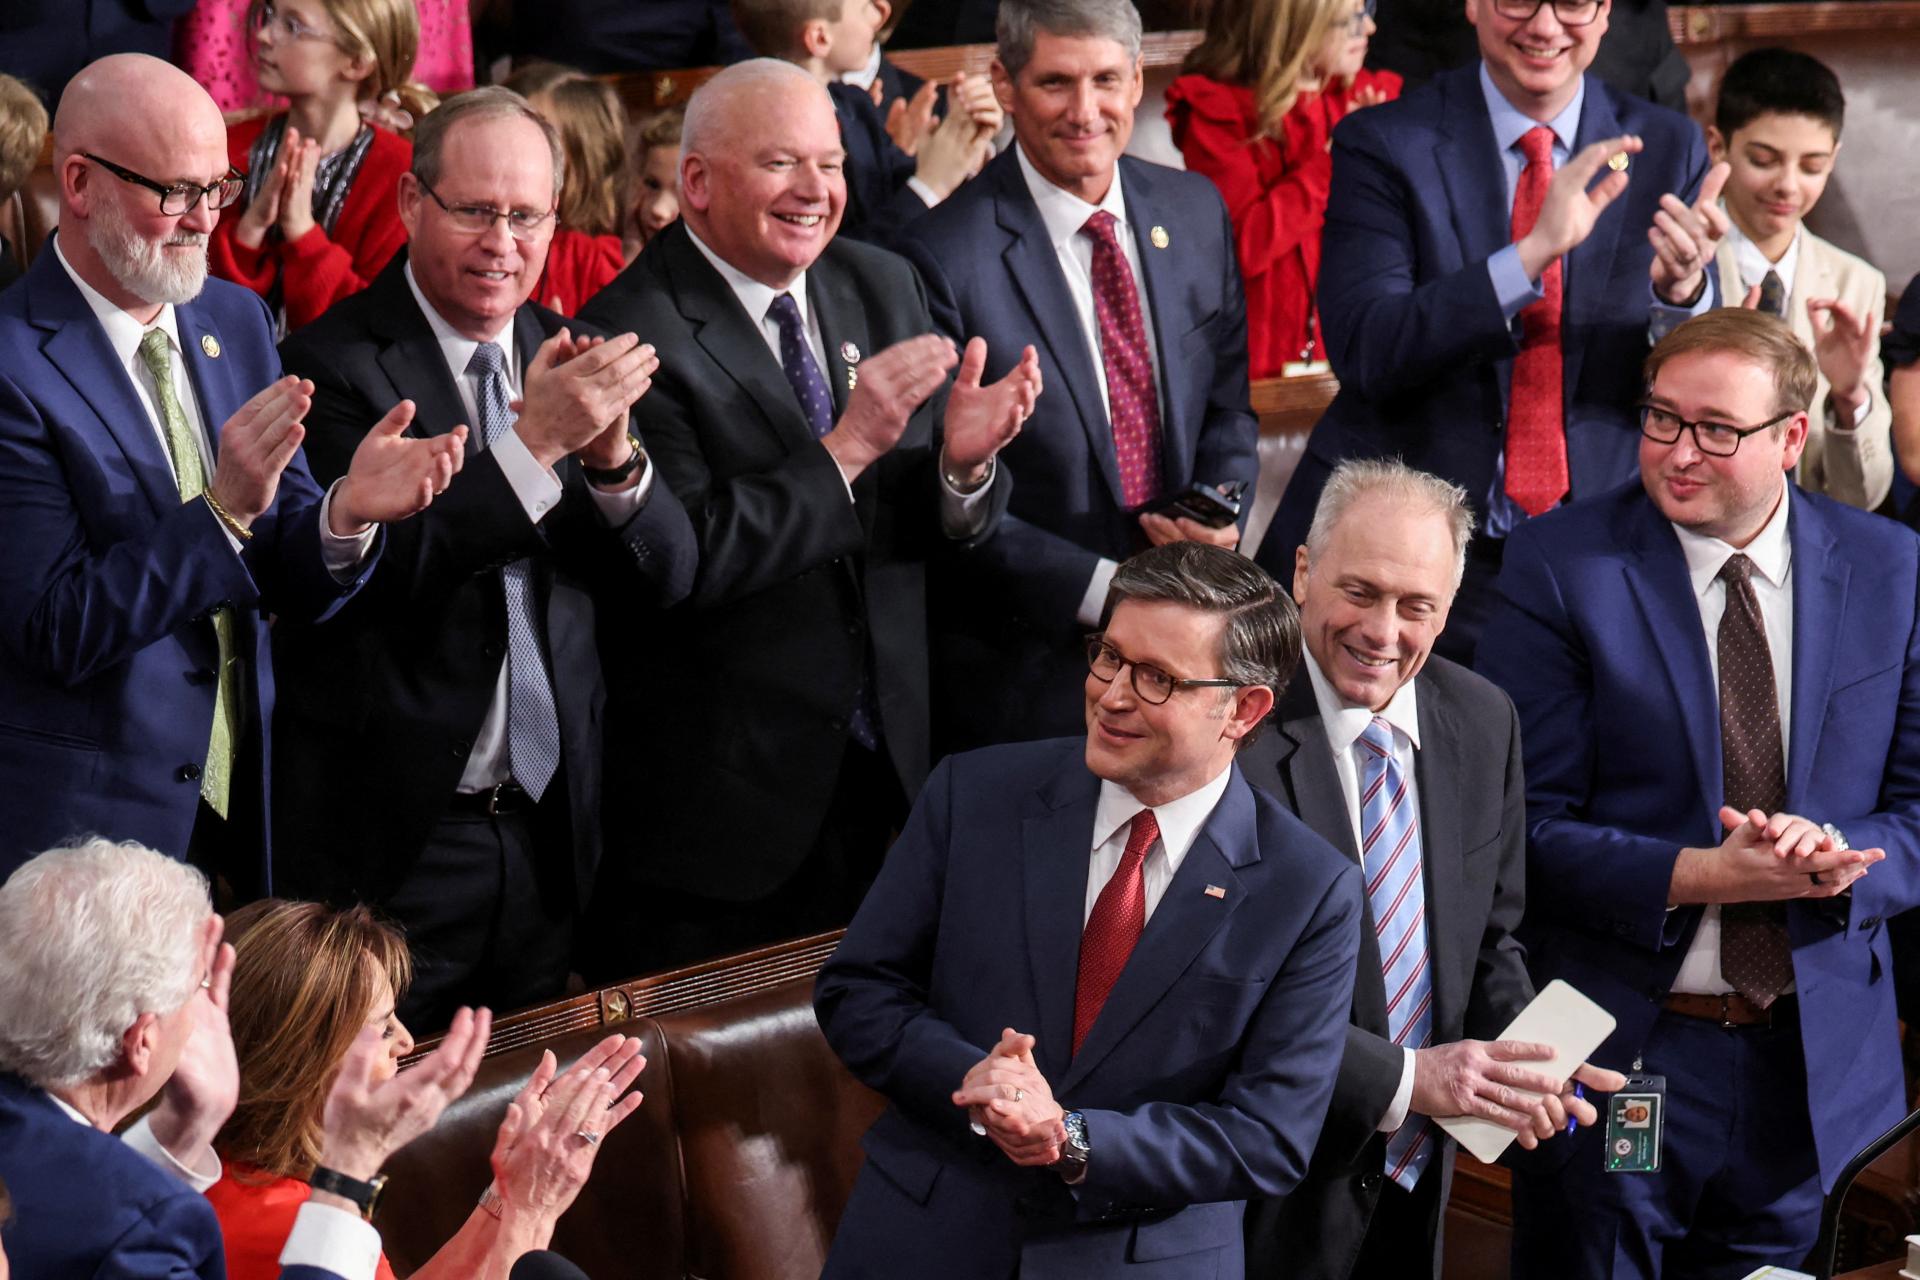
(114, 979)
(147, 542)
(1718, 682)
(1122, 274)
(1483, 299)
(1178, 949)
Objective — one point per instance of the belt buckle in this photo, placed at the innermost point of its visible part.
(1726, 1008)
(493, 799)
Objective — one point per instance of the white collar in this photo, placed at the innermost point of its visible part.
(754, 296)
(459, 348)
(1345, 722)
(72, 1111)
(123, 331)
(1180, 820)
(1753, 264)
(1064, 213)
(866, 75)
(1771, 550)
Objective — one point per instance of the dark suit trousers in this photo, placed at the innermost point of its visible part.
(1738, 1186)
(488, 912)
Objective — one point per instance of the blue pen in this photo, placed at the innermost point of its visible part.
(1579, 1091)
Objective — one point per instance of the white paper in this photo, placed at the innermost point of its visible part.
(1559, 1016)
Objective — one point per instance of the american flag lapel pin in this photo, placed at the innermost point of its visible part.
(1215, 891)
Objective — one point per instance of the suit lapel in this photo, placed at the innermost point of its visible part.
(1035, 271)
(1591, 261)
(843, 328)
(1162, 278)
(1656, 574)
(413, 361)
(212, 376)
(1438, 769)
(1469, 161)
(1057, 850)
(1182, 924)
(1820, 580)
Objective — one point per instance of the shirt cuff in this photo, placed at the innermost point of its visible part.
(1663, 317)
(1859, 415)
(1510, 283)
(332, 1240)
(1402, 1097)
(200, 1175)
(341, 555)
(618, 506)
(963, 514)
(1094, 602)
(925, 192)
(536, 486)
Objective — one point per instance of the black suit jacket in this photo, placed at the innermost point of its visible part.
(880, 204)
(383, 703)
(731, 730)
(1473, 841)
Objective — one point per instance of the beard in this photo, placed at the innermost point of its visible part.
(143, 267)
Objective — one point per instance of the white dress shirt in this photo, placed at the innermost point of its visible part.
(1772, 554)
(323, 1236)
(1344, 723)
(1180, 822)
(539, 492)
(341, 555)
(1064, 215)
(961, 514)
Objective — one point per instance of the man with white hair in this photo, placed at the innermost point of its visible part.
(113, 987)
(153, 500)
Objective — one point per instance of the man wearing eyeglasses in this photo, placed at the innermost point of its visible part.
(1102, 981)
(1498, 243)
(155, 505)
(443, 742)
(1718, 682)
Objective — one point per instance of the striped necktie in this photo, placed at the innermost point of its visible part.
(1397, 904)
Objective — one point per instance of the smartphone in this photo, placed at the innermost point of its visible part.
(1203, 504)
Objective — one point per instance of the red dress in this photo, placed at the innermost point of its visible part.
(578, 266)
(255, 1220)
(318, 270)
(1276, 194)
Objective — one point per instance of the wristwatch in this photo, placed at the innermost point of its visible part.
(1072, 1164)
(365, 1194)
(604, 476)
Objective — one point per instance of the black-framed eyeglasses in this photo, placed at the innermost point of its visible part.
(1571, 13)
(179, 198)
(285, 26)
(1357, 22)
(1721, 439)
(478, 219)
(1150, 683)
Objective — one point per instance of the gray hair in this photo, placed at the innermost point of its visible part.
(91, 937)
(1021, 21)
(706, 112)
(490, 102)
(1400, 484)
(1261, 642)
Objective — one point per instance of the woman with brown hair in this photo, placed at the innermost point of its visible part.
(1254, 109)
(586, 252)
(307, 980)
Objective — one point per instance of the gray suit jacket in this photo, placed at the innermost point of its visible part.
(1473, 838)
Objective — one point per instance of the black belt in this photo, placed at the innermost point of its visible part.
(502, 797)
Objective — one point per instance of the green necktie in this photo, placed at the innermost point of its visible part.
(189, 472)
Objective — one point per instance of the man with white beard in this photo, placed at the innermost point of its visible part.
(154, 506)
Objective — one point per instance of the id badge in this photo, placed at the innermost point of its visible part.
(1634, 1119)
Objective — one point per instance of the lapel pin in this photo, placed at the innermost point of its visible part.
(850, 353)
(1159, 237)
(1215, 891)
(210, 345)
(1617, 161)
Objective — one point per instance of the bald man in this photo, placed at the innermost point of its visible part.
(154, 506)
(809, 418)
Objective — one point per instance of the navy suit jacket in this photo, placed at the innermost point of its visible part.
(1204, 1080)
(879, 202)
(1009, 640)
(1597, 637)
(108, 580)
(86, 1204)
(1409, 315)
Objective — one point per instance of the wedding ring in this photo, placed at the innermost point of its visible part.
(1019, 1094)
(591, 1139)
(1814, 876)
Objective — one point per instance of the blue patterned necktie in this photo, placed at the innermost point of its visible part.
(533, 725)
(816, 401)
(1397, 904)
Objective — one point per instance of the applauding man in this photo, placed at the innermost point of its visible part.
(153, 512)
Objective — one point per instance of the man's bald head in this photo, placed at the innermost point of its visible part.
(738, 95)
(127, 97)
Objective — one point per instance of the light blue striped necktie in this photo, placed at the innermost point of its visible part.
(1397, 904)
(533, 725)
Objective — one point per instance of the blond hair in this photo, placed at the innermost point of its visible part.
(1267, 46)
(383, 32)
(592, 123)
(23, 132)
(1752, 335)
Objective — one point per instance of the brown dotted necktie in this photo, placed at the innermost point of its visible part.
(1755, 956)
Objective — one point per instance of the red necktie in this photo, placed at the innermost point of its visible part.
(1132, 404)
(1536, 403)
(1119, 915)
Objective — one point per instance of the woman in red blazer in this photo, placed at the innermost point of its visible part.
(1254, 110)
(321, 218)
